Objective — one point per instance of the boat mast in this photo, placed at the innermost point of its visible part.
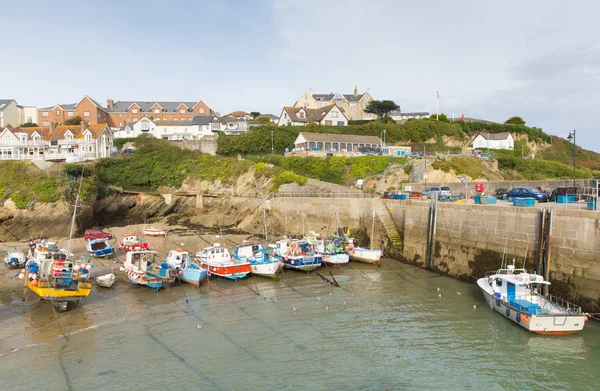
(74, 213)
(265, 220)
(372, 231)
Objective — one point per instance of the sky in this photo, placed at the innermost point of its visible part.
(536, 59)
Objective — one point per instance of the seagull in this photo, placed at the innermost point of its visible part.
(474, 306)
(318, 298)
(275, 299)
(199, 326)
(344, 302)
(330, 293)
(440, 295)
(353, 295)
(438, 289)
(458, 293)
(294, 309)
(326, 307)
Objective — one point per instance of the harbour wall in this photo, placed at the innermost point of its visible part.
(469, 240)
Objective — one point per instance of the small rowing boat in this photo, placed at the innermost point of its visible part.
(15, 259)
(106, 280)
(99, 248)
(151, 231)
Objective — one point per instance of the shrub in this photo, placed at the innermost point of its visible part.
(46, 190)
(20, 200)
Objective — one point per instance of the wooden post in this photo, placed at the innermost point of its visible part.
(548, 248)
(541, 244)
(433, 226)
(372, 231)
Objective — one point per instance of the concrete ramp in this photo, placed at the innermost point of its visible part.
(42, 164)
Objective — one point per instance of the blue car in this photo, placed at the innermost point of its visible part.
(524, 192)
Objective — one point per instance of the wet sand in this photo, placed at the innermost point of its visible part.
(26, 319)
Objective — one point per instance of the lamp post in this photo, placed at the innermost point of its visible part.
(272, 143)
(572, 137)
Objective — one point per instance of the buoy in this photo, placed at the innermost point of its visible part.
(23, 271)
(89, 266)
(29, 275)
(34, 275)
(34, 283)
(585, 318)
(76, 268)
(21, 276)
(82, 266)
(180, 272)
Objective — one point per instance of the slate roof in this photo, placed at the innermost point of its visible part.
(4, 103)
(495, 136)
(340, 138)
(270, 116)
(146, 106)
(203, 119)
(329, 97)
(312, 115)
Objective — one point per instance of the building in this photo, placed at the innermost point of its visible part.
(195, 129)
(273, 118)
(122, 113)
(320, 144)
(353, 104)
(331, 115)
(239, 114)
(88, 109)
(235, 125)
(397, 150)
(494, 141)
(69, 143)
(10, 115)
(397, 115)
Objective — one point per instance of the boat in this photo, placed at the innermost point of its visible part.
(99, 248)
(333, 250)
(144, 267)
(151, 231)
(131, 242)
(263, 262)
(106, 280)
(216, 260)
(365, 255)
(15, 259)
(187, 269)
(297, 254)
(517, 295)
(52, 275)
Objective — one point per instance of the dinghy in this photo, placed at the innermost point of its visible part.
(151, 231)
(99, 248)
(106, 280)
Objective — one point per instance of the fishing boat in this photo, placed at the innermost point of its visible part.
(151, 231)
(53, 276)
(99, 248)
(131, 242)
(187, 270)
(216, 260)
(365, 255)
(144, 267)
(106, 280)
(15, 259)
(333, 251)
(263, 262)
(517, 295)
(298, 255)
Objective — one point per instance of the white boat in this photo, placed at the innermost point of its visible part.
(516, 295)
(365, 255)
(263, 262)
(106, 280)
(151, 231)
(15, 259)
(216, 260)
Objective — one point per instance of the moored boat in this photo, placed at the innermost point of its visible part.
(333, 251)
(298, 255)
(187, 269)
(365, 255)
(144, 267)
(106, 280)
(516, 295)
(216, 260)
(151, 231)
(15, 259)
(131, 242)
(99, 248)
(263, 262)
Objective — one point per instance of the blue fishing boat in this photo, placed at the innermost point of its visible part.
(298, 254)
(187, 269)
(143, 268)
(99, 248)
(262, 262)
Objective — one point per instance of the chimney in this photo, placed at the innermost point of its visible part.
(310, 92)
(110, 103)
(83, 126)
(355, 91)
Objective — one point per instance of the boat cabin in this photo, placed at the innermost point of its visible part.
(141, 261)
(214, 253)
(176, 257)
(129, 239)
(248, 250)
(519, 288)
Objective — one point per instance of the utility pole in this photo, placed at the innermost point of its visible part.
(384, 139)
(572, 137)
(272, 143)
(425, 174)
(437, 109)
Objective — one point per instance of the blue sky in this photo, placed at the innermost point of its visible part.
(536, 59)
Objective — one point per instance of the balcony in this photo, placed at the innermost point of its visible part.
(75, 141)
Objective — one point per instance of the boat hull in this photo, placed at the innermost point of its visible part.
(149, 280)
(47, 292)
(192, 276)
(303, 263)
(155, 232)
(268, 269)
(336, 259)
(102, 253)
(540, 324)
(232, 272)
(366, 256)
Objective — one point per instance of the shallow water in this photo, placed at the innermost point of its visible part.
(385, 328)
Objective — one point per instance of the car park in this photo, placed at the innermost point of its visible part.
(527, 192)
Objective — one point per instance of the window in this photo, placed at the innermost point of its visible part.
(305, 105)
(29, 120)
(352, 117)
(44, 114)
(301, 114)
(134, 111)
(183, 118)
(86, 113)
(157, 111)
(57, 112)
(174, 119)
(340, 123)
(498, 282)
(182, 111)
(136, 119)
(335, 114)
(90, 148)
(201, 110)
(352, 106)
(46, 123)
(120, 123)
(185, 130)
(339, 103)
(70, 114)
(328, 123)
(127, 120)
(120, 114)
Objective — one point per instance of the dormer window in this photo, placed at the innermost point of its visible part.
(201, 110)
(134, 111)
(69, 137)
(88, 138)
(156, 111)
(301, 114)
(182, 111)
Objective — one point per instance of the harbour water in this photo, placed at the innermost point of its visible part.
(385, 328)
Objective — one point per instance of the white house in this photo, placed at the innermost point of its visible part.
(494, 141)
(330, 115)
(316, 142)
(397, 115)
(10, 113)
(195, 129)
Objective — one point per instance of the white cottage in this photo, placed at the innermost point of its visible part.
(494, 141)
(330, 115)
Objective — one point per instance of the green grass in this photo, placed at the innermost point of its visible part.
(537, 169)
(464, 165)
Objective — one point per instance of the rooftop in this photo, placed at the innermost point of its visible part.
(340, 138)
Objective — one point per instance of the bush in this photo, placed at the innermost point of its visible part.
(20, 200)
(285, 177)
(259, 168)
(46, 190)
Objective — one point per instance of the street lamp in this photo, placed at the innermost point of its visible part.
(272, 143)
(572, 137)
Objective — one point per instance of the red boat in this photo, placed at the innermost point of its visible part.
(131, 242)
(216, 260)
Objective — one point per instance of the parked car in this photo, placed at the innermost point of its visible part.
(524, 192)
(414, 155)
(437, 190)
(92, 234)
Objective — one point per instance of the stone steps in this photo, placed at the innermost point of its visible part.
(390, 227)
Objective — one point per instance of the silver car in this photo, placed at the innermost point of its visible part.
(438, 191)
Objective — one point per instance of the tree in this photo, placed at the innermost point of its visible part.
(264, 119)
(254, 114)
(441, 117)
(515, 121)
(381, 108)
(29, 125)
(74, 121)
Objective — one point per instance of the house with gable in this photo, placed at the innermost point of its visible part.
(122, 113)
(331, 115)
(494, 141)
(87, 108)
(353, 104)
